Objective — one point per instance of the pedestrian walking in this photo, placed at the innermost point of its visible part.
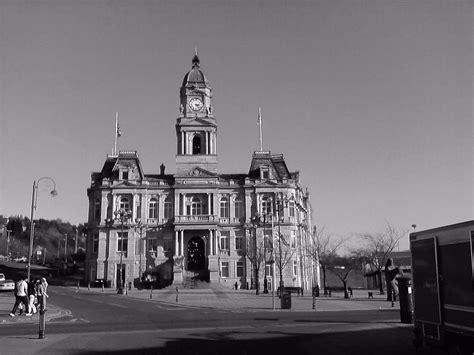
(21, 296)
(31, 298)
(42, 294)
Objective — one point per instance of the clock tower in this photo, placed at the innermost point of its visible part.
(196, 128)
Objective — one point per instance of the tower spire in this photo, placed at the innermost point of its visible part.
(195, 58)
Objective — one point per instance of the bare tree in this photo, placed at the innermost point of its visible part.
(283, 252)
(342, 266)
(322, 249)
(378, 247)
(254, 251)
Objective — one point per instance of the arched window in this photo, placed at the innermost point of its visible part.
(266, 205)
(196, 206)
(196, 145)
(124, 203)
(153, 208)
(168, 212)
(224, 203)
(97, 209)
(239, 207)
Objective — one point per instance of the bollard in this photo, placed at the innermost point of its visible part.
(42, 323)
(314, 301)
(151, 293)
(89, 286)
(77, 289)
(405, 298)
(102, 287)
(176, 294)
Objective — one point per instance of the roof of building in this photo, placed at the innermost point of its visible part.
(275, 163)
(195, 75)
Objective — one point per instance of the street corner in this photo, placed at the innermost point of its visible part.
(50, 314)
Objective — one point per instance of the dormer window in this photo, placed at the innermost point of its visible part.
(124, 175)
(264, 173)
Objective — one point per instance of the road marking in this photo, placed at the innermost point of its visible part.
(170, 308)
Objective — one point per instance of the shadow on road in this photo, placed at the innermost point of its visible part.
(388, 341)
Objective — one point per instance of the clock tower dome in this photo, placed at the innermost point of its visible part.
(196, 128)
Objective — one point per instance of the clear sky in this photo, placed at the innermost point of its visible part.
(370, 100)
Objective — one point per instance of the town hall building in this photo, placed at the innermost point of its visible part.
(197, 224)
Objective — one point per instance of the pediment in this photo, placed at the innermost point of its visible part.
(266, 183)
(125, 183)
(198, 172)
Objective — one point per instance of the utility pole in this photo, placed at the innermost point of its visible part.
(65, 247)
(8, 242)
(75, 242)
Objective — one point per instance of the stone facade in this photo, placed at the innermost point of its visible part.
(197, 223)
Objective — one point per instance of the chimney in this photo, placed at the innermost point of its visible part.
(162, 169)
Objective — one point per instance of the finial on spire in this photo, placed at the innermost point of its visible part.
(195, 58)
(259, 123)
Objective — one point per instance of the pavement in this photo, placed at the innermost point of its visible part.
(217, 298)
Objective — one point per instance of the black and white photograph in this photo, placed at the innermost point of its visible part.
(236, 177)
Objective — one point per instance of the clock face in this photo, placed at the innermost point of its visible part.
(195, 104)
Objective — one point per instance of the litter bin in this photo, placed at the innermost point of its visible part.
(405, 290)
(286, 300)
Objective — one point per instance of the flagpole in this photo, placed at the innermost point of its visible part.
(260, 128)
(116, 133)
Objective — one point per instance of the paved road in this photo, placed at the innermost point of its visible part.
(108, 323)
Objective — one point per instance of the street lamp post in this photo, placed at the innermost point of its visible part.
(255, 256)
(140, 226)
(65, 247)
(121, 215)
(34, 200)
(265, 281)
(279, 201)
(8, 243)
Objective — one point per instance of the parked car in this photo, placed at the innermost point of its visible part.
(6, 285)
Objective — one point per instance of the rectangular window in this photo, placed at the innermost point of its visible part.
(240, 269)
(239, 207)
(239, 240)
(168, 210)
(225, 240)
(268, 239)
(122, 245)
(293, 240)
(95, 243)
(167, 245)
(225, 269)
(151, 244)
(291, 206)
(295, 267)
(125, 175)
(268, 268)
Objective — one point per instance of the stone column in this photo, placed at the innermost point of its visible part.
(181, 251)
(176, 243)
(183, 204)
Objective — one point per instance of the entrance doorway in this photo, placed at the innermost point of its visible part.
(196, 254)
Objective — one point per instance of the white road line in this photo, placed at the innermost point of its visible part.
(170, 309)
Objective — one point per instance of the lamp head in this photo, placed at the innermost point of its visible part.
(54, 193)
